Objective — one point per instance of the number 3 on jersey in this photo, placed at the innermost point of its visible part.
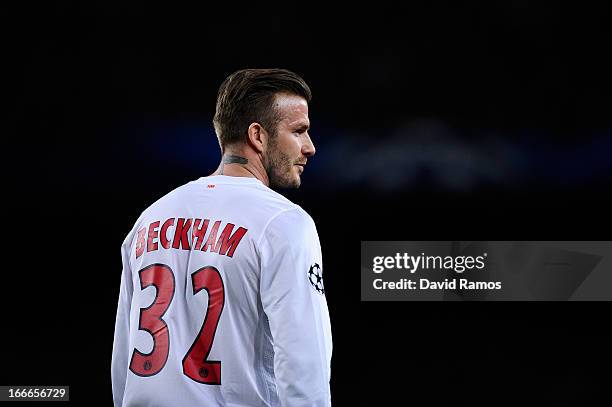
(195, 363)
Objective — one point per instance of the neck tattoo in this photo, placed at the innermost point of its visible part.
(232, 159)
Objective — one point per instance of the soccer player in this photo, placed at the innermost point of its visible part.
(222, 300)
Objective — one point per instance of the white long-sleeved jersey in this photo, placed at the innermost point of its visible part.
(222, 302)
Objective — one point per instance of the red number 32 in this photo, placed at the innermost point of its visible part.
(195, 363)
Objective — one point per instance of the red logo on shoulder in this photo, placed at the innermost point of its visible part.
(211, 185)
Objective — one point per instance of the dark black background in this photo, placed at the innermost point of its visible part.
(113, 109)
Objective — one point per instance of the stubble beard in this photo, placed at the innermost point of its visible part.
(279, 168)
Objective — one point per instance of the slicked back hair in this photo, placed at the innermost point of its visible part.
(247, 96)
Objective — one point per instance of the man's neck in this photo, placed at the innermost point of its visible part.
(236, 164)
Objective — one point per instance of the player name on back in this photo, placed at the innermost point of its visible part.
(174, 233)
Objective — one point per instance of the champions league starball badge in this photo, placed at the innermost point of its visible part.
(315, 276)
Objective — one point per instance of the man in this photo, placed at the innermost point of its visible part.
(222, 300)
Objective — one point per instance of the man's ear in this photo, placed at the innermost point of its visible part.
(257, 137)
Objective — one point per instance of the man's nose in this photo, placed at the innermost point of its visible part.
(308, 148)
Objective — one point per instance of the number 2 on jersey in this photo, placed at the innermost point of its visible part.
(195, 363)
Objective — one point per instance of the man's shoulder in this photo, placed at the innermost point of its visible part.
(172, 198)
(292, 223)
(164, 201)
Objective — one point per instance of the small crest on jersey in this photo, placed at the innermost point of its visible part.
(315, 276)
(211, 185)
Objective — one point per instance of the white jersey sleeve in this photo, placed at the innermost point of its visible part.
(293, 300)
(121, 346)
